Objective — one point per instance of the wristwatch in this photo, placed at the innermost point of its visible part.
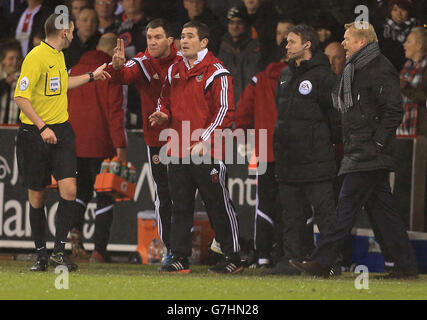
(91, 76)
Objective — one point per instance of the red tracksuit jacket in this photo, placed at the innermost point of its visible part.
(148, 75)
(95, 111)
(203, 97)
(257, 105)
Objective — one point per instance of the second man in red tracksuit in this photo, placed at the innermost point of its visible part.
(196, 101)
(147, 71)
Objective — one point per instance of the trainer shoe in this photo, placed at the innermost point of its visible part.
(312, 267)
(228, 266)
(176, 265)
(168, 257)
(41, 264)
(282, 268)
(61, 259)
(77, 248)
(216, 247)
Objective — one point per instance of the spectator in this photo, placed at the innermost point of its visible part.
(336, 54)
(132, 27)
(282, 31)
(86, 36)
(303, 141)
(76, 6)
(197, 10)
(413, 83)
(100, 104)
(30, 23)
(368, 89)
(10, 11)
(398, 25)
(220, 8)
(10, 58)
(108, 22)
(325, 27)
(263, 18)
(239, 52)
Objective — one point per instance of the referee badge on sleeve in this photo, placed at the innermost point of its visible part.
(24, 83)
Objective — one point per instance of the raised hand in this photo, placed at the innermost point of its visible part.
(119, 58)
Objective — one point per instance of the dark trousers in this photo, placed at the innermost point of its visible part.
(296, 200)
(267, 211)
(87, 169)
(210, 180)
(371, 190)
(163, 202)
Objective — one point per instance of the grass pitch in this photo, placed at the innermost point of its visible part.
(125, 281)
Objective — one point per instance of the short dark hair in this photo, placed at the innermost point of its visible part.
(50, 24)
(307, 33)
(10, 45)
(160, 23)
(202, 29)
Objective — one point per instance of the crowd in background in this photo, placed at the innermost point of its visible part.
(242, 32)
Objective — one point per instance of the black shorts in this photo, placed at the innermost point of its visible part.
(37, 160)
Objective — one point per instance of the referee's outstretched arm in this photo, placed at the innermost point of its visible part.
(98, 74)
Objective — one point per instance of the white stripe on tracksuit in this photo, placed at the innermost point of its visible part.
(224, 105)
(101, 211)
(229, 208)
(259, 213)
(157, 201)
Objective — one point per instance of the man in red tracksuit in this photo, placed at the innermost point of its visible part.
(197, 100)
(147, 71)
(96, 116)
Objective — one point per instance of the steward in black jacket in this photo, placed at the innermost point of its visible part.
(307, 124)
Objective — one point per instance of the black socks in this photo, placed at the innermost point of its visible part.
(67, 209)
(38, 229)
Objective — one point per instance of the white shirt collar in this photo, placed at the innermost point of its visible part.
(200, 56)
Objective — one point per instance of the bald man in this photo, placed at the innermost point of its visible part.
(336, 54)
(100, 106)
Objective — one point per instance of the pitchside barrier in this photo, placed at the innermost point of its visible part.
(130, 217)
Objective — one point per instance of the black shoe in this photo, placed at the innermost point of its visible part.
(312, 268)
(40, 265)
(336, 270)
(282, 268)
(61, 259)
(176, 265)
(399, 274)
(228, 266)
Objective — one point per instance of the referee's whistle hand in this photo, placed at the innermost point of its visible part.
(100, 74)
(49, 136)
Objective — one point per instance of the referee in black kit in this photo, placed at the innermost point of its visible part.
(45, 141)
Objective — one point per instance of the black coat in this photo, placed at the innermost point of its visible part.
(376, 113)
(303, 136)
